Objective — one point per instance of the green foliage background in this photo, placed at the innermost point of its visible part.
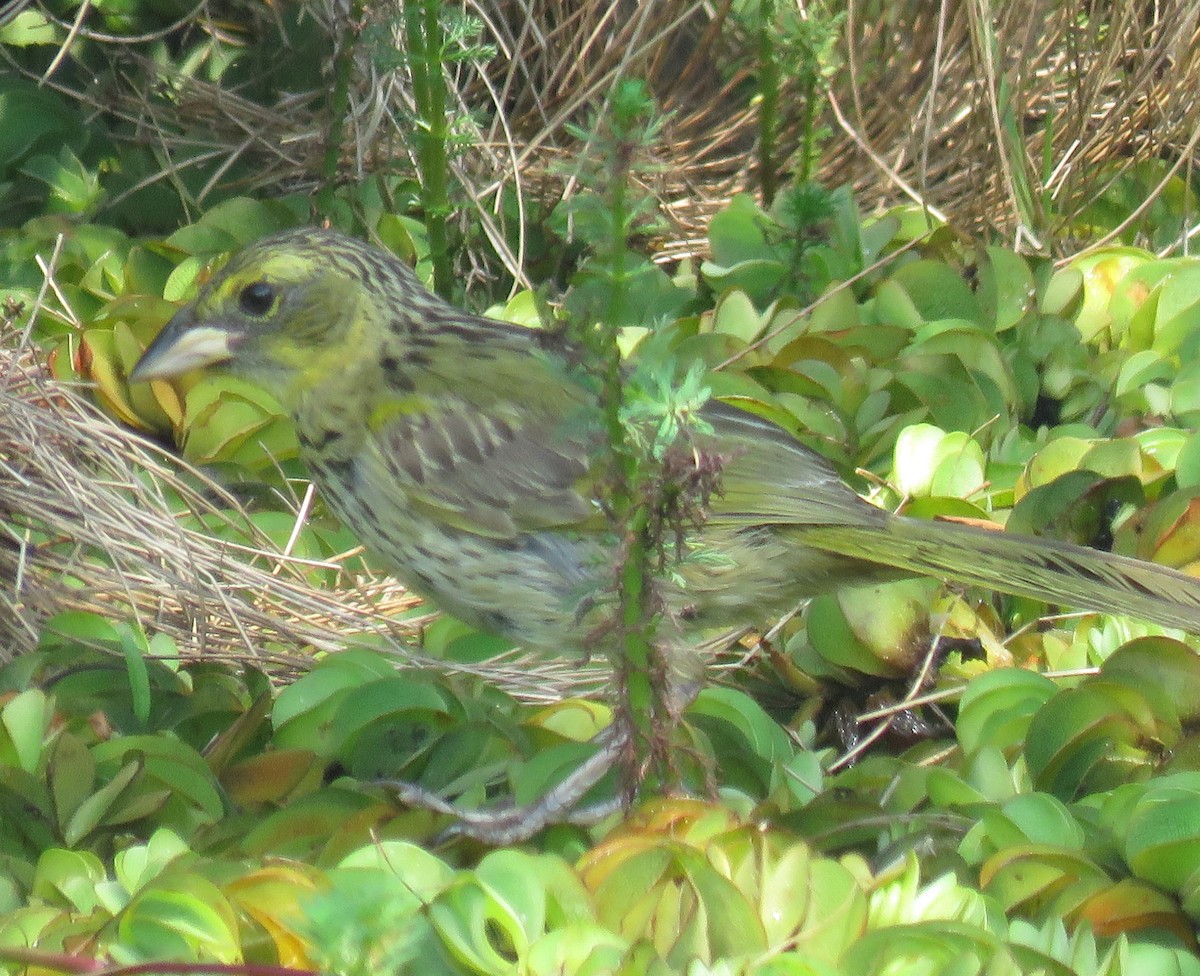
(1020, 798)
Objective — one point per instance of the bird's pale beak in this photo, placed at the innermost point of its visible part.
(183, 346)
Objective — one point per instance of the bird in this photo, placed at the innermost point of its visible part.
(468, 454)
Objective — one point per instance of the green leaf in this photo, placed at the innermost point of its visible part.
(1006, 288)
(133, 648)
(1162, 842)
(68, 877)
(89, 814)
(938, 292)
(997, 707)
(185, 918)
(26, 720)
(71, 776)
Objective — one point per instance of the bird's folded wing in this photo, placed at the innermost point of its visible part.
(493, 476)
(770, 477)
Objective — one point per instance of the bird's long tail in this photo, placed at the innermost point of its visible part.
(1044, 569)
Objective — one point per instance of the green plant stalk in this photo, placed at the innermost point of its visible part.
(339, 106)
(426, 41)
(807, 129)
(631, 513)
(768, 109)
(1047, 194)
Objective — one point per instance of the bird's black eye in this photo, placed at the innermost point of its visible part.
(257, 299)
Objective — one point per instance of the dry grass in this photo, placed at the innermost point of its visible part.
(930, 87)
(1005, 117)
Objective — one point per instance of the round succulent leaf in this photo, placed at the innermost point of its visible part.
(926, 947)
(1041, 879)
(1129, 906)
(1060, 455)
(948, 789)
(1006, 288)
(1161, 668)
(820, 420)
(70, 775)
(550, 765)
(988, 771)
(833, 639)
(734, 314)
(1076, 506)
(938, 291)
(1155, 959)
(404, 711)
(323, 826)
(810, 668)
(189, 274)
(836, 312)
(99, 361)
(1169, 533)
(1063, 293)
(321, 690)
(1162, 837)
(68, 878)
(736, 233)
(423, 875)
(891, 620)
(480, 927)
(1143, 368)
(1045, 819)
(26, 719)
(270, 777)
(1187, 463)
(221, 416)
(815, 348)
(1177, 281)
(1102, 272)
(1185, 394)
(579, 948)
(275, 897)
(1083, 737)
(231, 224)
(973, 345)
(408, 239)
(184, 917)
(876, 233)
(742, 715)
(169, 765)
(714, 348)
(1160, 447)
(1133, 306)
(138, 865)
(1185, 756)
(956, 397)
(931, 461)
(893, 306)
(579, 719)
(758, 278)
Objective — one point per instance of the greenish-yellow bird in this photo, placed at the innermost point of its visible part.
(462, 452)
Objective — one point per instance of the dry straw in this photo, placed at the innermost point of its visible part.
(1006, 117)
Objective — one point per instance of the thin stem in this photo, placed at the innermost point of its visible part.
(768, 110)
(339, 105)
(427, 48)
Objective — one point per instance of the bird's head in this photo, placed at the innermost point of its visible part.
(293, 308)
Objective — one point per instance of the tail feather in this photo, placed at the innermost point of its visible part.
(1043, 569)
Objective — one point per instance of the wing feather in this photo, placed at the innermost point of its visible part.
(769, 477)
(486, 475)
